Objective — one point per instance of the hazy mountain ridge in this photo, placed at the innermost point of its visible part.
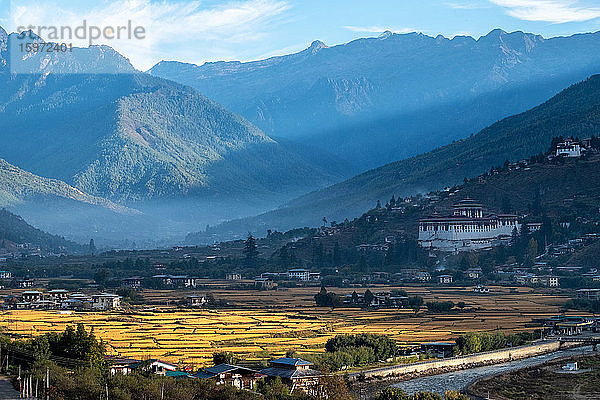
(573, 112)
(15, 229)
(390, 92)
(139, 137)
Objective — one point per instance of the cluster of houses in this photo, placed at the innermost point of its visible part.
(269, 280)
(294, 372)
(60, 299)
(379, 300)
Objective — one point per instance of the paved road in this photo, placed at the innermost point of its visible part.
(460, 380)
(6, 390)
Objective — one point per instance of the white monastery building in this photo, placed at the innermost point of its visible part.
(570, 148)
(467, 229)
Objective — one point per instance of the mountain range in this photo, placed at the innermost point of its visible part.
(141, 141)
(574, 112)
(379, 100)
(94, 148)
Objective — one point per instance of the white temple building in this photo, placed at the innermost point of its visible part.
(467, 229)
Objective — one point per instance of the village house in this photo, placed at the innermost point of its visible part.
(445, 279)
(295, 373)
(234, 276)
(128, 365)
(474, 273)
(176, 280)
(5, 275)
(481, 289)
(467, 229)
(58, 294)
(135, 282)
(226, 374)
(195, 300)
(264, 284)
(31, 296)
(549, 281)
(299, 274)
(122, 365)
(106, 301)
(26, 283)
(589, 294)
(440, 349)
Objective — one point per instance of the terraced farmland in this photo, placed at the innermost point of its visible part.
(263, 324)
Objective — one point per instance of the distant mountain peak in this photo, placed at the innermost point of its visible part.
(317, 46)
(385, 35)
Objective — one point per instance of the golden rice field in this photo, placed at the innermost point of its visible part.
(267, 324)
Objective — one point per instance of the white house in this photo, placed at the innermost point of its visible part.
(106, 301)
(299, 274)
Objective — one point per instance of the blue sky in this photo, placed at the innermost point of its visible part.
(209, 30)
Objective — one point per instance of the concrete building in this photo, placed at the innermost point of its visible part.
(299, 274)
(467, 229)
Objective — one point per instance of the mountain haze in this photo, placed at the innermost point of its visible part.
(141, 141)
(377, 100)
(573, 112)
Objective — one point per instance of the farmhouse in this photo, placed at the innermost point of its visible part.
(195, 300)
(106, 301)
(295, 373)
(474, 273)
(134, 282)
(467, 229)
(127, 365)
(58, 294)
(588, 294)
(264, 284)
(240, 377)
(31, 296)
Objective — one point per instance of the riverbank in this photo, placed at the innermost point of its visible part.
(546, 381)
(457, 380)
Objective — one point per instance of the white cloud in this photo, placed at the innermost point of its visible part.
(466, 5)
(378, 29)
(554, 11)
(176, 30)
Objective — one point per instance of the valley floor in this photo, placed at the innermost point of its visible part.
(258, 325)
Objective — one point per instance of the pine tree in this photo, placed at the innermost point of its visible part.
(250, 252)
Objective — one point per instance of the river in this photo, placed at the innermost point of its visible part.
(460, 380)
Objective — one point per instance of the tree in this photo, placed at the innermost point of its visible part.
(369, 297)
(224, 357)
(392, 394)
(250, 252)
(327, 299)
(415, 303)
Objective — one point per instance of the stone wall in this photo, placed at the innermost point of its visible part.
(462, 362)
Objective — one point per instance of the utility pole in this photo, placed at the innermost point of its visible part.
(107, 391)
(47, 383)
